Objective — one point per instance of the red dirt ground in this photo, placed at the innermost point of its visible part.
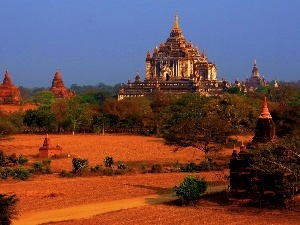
(44, 192)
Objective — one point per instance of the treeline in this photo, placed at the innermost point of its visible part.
(161, 114)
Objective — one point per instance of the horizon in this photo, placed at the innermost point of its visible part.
(106, 42)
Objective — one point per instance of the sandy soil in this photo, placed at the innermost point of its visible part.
(12, 108)
(49, 192)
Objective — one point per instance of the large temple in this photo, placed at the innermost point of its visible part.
(9, 93)
(254, 82)
(58, 88)
(178, 67)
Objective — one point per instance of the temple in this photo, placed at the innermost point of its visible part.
(9, 93)
(255, 81)
(58, 88)
(178, 67)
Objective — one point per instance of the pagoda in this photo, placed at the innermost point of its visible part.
(58, 88)
(9, 93)
(177, 67)
(47, 150)
(265, 127)
(255, 81)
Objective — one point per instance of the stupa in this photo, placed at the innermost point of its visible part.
(47, 150)
(265, 127)
(9, 93)
(58, 88)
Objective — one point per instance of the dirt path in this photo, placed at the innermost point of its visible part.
(89, 210)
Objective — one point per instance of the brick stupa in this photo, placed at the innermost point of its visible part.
(9, 93)
(58, 88)
(265, 127)
(47, 150)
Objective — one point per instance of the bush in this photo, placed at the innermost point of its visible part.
(22, 160)
(191, 167)
(143, 168)
(7, 208)
(3, 158)
(79, 165)
(37, 167)
(156, 168)
(20, 173)
(108, 161)
(122, 166)
(190, 190)
(65, 173)
(96, 169)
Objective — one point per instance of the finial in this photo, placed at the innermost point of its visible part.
(176, 25)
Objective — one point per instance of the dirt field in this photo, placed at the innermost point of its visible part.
(12, 108)
(49, 192)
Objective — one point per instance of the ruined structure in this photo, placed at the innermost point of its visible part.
(47, 150)
(58, 88)
(178, 67)
(9, 93)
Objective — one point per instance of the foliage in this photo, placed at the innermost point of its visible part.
(79, 165)
(42, 167)
(190, 189)
(44, 97)
(20, 173)
(65, 173)
(280, 162)
(96, 169)
(108, 161)
(8, 209)
(207, 165)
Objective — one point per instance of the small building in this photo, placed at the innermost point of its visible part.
(9, 93)
(58, 88)
(47, 150)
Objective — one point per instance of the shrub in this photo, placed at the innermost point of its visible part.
(3, 158)
(6, 173)
(65, 173)
(143, 168)
(108, 161)
(13, 158)
(20, 173)
(37, 167)
(108, 171)
(22, 160)
(79, 165)
(156, 168)
(122, 166)
(191, 167)
(8, 210)
(190, 190)
(96, 169)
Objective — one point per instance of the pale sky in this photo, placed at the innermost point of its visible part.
(97, 41)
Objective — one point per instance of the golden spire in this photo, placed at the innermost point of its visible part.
(176, 24)
(265, 114)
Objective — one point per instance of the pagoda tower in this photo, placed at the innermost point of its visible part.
(58, 88)
(265, 127)
(9, 93)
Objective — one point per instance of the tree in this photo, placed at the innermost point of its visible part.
(7, 208)
(280, 163)
(60, 108)
(44, 97)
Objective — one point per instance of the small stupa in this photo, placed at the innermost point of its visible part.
(58, 88)
(265, 127)
(9, 93)
(47, 150)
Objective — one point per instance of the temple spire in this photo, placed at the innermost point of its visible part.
(265, 111)
(6, 79)
(176, 25)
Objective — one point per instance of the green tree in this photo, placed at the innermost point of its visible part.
(8, 209)
(190, 190)
(44, 97)
(59, 109)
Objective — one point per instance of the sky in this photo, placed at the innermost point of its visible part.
(100, 41)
